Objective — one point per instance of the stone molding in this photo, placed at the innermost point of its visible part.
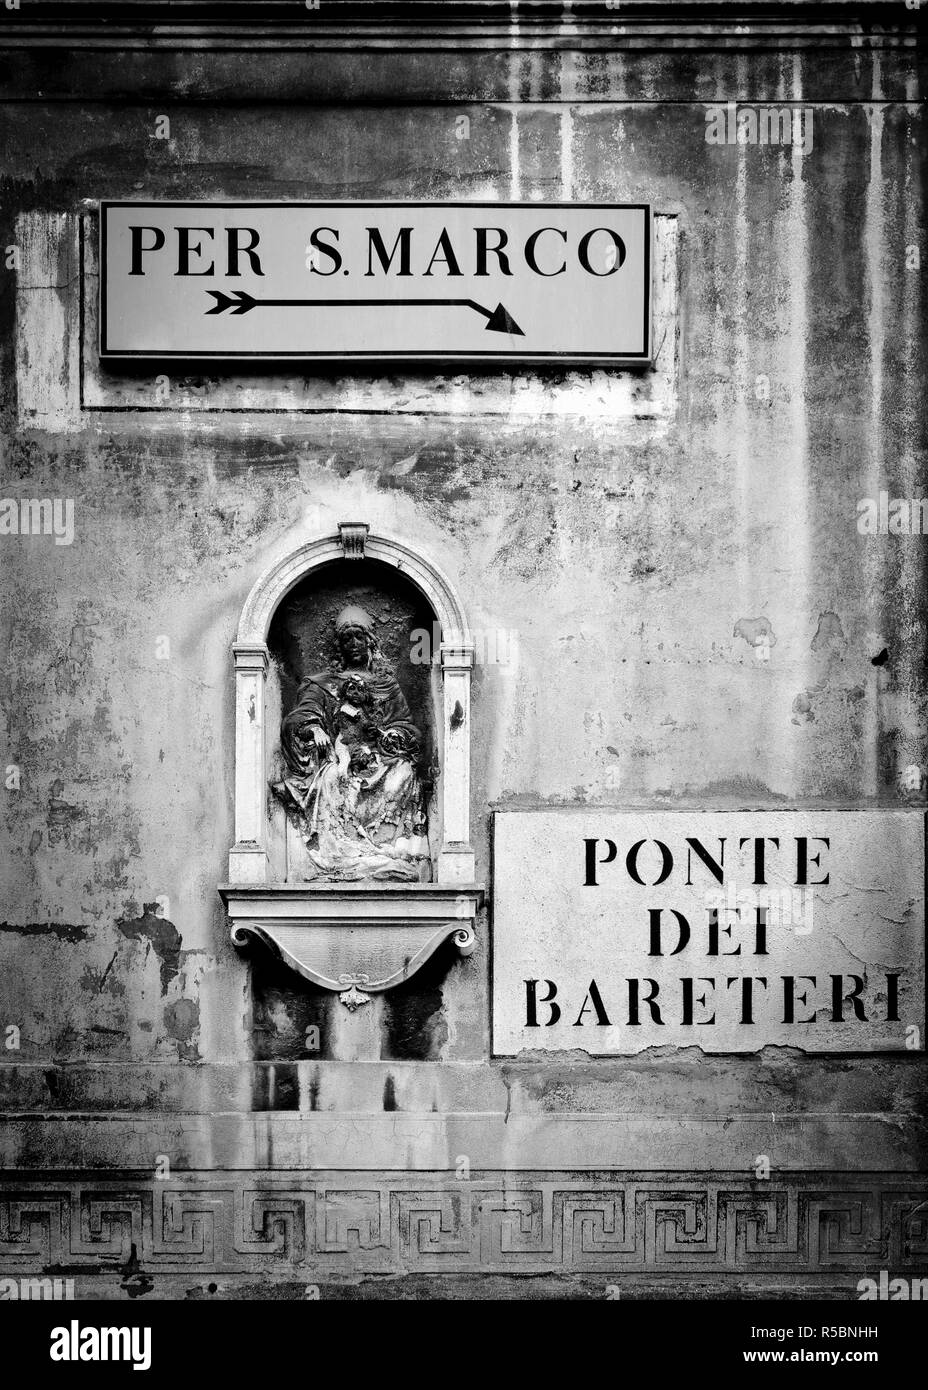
(202, 24)
(354, 939)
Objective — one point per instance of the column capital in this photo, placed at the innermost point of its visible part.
(251, 656)
(457, 656)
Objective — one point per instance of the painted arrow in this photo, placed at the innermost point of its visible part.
(498, 320)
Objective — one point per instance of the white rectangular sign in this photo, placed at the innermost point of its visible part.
(495, 282)
(615, 932)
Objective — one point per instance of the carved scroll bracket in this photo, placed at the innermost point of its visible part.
(353, 939)
(352, 537)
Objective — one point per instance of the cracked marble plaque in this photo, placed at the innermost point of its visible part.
(615, 932)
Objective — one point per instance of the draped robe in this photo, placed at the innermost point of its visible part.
(359, 801)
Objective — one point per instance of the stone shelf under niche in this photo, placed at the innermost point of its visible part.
(355, 939)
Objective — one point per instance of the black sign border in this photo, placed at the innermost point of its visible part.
(496, 358)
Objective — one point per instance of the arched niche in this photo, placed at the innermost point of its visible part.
(393, 927)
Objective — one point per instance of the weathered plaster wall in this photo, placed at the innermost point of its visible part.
(641, 543)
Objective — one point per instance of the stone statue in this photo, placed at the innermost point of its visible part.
(352, 785)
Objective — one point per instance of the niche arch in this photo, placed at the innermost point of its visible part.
(392, 927)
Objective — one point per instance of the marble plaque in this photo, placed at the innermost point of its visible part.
(614, 932)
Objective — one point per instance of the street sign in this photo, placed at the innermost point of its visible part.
(494, 282)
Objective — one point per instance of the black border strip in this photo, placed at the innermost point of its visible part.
(437, 355)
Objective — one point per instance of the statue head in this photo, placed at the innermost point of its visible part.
(354, 630)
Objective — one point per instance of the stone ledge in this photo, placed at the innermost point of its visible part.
(765, 1083)
(429, 1142)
